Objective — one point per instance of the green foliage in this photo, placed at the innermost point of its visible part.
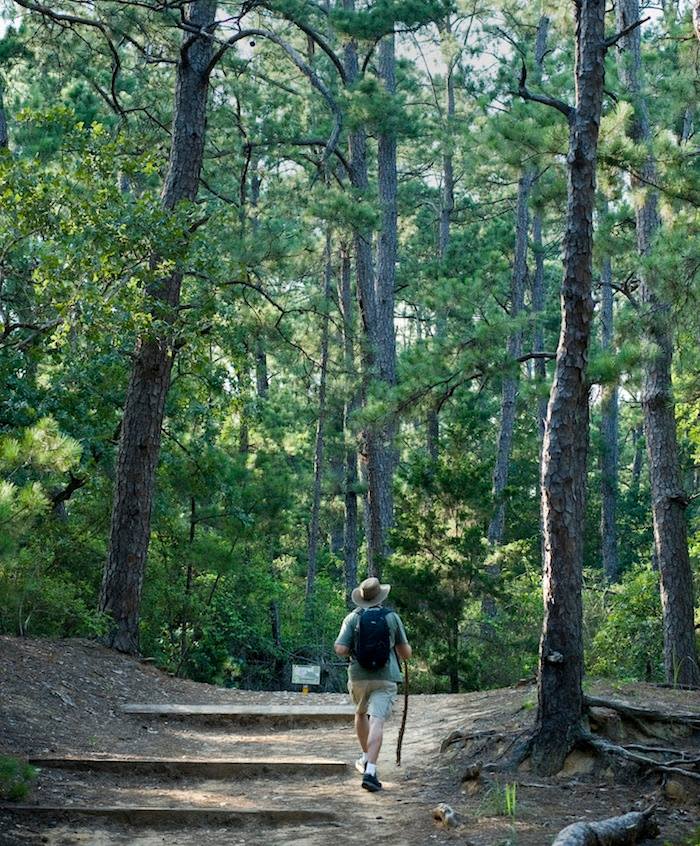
(16, 778)
(500, 800)
(693, 840)
(84, 239)
(626, 619)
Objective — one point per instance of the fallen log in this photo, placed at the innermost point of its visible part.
(616, 831)
(634, 712)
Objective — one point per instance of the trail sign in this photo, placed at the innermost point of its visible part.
(306, 674)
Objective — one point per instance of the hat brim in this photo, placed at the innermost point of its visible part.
(356, 597)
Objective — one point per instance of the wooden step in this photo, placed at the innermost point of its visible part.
(199, 767)
(289, 714)
(172, 816)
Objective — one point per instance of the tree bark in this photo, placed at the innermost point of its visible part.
(364, 271)
(4, 134)
(509, 391)
(376, 308)
(320, 433)
(637, 461)
(381, 457)
(539, 292)
(262, 383)
(139, 445)
(560, 696)
(668, 499)
(609, 440)
(351, 405)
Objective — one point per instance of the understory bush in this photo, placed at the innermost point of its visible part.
(16, 778)
(625, 635)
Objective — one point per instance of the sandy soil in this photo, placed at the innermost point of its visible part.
(64, 697)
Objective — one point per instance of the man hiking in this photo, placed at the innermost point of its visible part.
(374, 639)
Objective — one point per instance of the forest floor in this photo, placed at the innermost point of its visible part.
(64, 697)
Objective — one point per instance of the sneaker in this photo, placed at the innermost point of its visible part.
(371, 783)
(360, 766)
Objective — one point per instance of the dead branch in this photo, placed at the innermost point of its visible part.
(610, 42)
(554, 103)
(626, 829)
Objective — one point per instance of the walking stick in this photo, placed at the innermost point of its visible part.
(405, 712)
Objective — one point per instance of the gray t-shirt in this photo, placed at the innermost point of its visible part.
(397, 636)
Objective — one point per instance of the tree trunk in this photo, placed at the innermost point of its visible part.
(364, 271)
(381, 457)
(668, 499)
(447, 205)
(539, 292)
(189, 582)
(4, 134)
(539, 295)
(509, 389)
(509, 392)
(637, 461)
(560, 697)
(320, 432)
(139, 445)
(609, 441)
(351, 405)
(377, 309)
(261, 378)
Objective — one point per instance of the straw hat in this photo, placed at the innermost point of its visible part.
(370, 593)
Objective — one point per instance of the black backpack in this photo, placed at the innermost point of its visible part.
(373, 642)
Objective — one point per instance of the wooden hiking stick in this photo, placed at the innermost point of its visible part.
(405, 712)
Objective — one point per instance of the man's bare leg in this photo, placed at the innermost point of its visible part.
(362, 722)
(374, 739)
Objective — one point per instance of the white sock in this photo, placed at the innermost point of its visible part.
(371, 769)
(364, 757)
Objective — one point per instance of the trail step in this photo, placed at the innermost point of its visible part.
(201, 767)
(243, 713)
(173, 816)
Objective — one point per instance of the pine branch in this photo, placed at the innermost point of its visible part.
(303, 66)
(523, 91)
(612, 41)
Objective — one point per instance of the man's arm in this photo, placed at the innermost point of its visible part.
(402, 646)
(343, 643)
(403, 650)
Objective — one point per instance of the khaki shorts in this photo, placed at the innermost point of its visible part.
(375, 698)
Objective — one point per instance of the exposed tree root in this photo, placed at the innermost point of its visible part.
(616, 831)
(606, 748)
(677, 686)
(634, 713)
(461, 737)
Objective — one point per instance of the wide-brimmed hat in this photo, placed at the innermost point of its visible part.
(370, 593)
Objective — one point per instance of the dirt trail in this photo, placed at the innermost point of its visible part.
(64, 698)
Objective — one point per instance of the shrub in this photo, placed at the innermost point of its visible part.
(629, 642)
(16, 778)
